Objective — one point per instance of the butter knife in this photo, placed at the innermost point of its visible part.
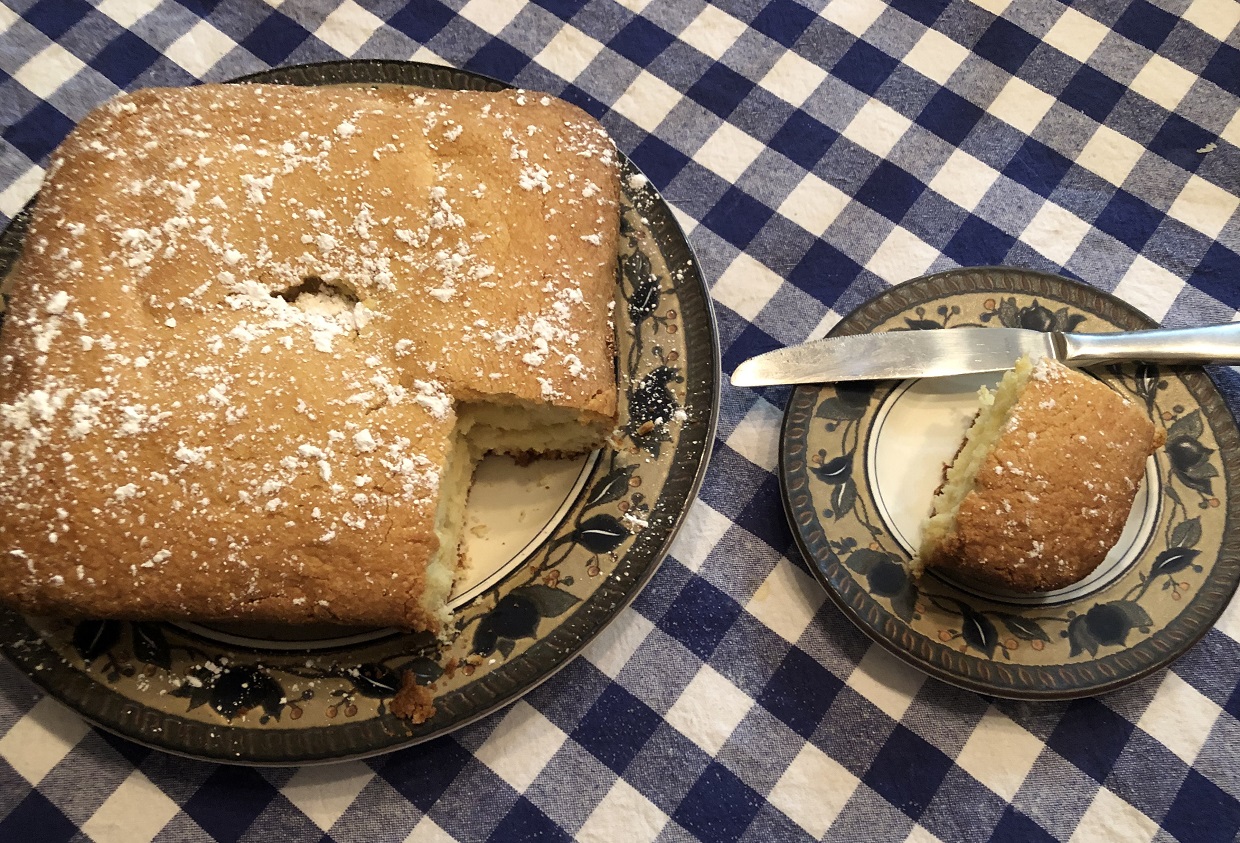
(959, 351)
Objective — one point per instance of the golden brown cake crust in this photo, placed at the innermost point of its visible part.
(1051, 498)
(178, 440)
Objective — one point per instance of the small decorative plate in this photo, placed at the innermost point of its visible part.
(860, 463)
(556, 549)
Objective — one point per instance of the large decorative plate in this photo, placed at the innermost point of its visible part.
(557, 549)
(860, 463)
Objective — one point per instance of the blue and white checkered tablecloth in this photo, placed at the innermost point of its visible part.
(816, 153)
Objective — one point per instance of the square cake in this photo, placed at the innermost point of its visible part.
(259, 335)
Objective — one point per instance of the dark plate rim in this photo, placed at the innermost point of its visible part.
(277, 747)
(1205, 608)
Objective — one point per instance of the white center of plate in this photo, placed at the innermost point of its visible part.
(918, 430)
(512, 510)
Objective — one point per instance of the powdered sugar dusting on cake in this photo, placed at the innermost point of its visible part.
(1047, 369)
(271, 317)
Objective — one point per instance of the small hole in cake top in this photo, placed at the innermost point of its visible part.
(261, 276)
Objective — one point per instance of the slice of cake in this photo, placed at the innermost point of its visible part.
(1043, 484)
(259, 335)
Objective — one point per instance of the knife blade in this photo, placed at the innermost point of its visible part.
(959, 351)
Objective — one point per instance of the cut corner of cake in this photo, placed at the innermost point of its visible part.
(1043, 483)
(258, 337)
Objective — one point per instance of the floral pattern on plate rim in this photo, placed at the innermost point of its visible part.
(1122, 629)
(167, 686)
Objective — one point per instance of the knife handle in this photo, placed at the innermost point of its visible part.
(1208, 344)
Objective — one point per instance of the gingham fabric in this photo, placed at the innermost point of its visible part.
(816, 154)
